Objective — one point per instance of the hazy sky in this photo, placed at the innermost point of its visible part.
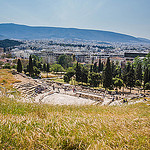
(124, 16)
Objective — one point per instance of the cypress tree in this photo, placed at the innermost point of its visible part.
(78, 72)
(34, 62)
(102, 66)
(138, 72)
(107, 75)
(92, 60)
(30, 66)
(91, 68)
(95, 67)
(84, 74)
(128, 67)
(131, 78)
(19, 66)
(113, 69)
(99, 65)
(125, 72)
(47, 69)
(146, 76)
(44, 67)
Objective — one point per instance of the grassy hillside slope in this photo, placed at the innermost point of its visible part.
(39, 126)
(34, 126)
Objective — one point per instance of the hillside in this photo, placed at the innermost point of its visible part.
(27, 32)
(43, 126)
(9, 43)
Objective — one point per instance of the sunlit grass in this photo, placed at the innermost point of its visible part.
(50, 75)
(33, 126)
(7, 79)
(41, 126)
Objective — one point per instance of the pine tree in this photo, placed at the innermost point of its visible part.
(19, 66)
(107, 75)
(30, 66)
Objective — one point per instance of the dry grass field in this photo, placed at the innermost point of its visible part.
(33, 126)
(43, 126)
(7, 79)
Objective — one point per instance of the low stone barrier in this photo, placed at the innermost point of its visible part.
(89, 96)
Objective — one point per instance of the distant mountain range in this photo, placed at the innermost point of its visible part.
(16, 31)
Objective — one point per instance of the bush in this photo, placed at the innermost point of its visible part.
(7, 66)
(147, 86)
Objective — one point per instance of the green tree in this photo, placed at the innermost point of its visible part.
(118, 72)
(30, 67)
(92, 60)
(91, 68)
(95, 69)
(107, 75)
(78, 72)
(125, 72)
(128, 67)
(19, 66)
(7, 66)
(147, 86)
(47, 69)
(44, 67)
(138, 72)
(36, 71)
(131, 78)
(39, 66)
(57, 68)
(146, 76)
(118, 83)
(70, 72)
(146, 60)
(113, 67)
(66, 78)
(138, 84)
(73, 58)
(84, 74)
(65, 61)
(34, 63)
(99, 65)
(94, 79)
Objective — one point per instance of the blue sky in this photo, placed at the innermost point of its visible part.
(124, 16)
